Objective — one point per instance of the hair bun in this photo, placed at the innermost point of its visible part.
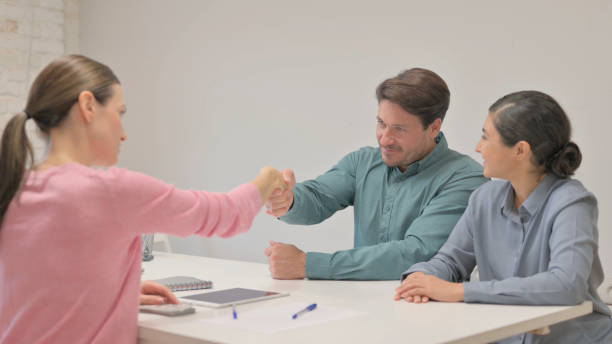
(566, 160)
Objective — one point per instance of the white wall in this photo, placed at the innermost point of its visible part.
(218, 89)
(32, 33)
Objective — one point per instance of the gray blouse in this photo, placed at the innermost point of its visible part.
(543, 254)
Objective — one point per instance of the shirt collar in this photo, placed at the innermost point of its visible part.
(532, 204)
(430, 159)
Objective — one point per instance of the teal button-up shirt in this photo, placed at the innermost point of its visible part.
(400, 218)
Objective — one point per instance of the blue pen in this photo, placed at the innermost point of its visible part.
(307, 309)
(234, 312)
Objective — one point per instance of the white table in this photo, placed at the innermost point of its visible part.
(384, 320)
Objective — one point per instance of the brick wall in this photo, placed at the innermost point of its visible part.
(32, 33)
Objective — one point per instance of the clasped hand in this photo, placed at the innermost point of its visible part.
(281, 200)
(419, 287)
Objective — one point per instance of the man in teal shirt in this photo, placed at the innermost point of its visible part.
(407, 195)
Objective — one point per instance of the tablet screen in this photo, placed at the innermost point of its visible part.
(232, 296)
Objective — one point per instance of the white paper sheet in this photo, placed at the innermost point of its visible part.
(279, 318)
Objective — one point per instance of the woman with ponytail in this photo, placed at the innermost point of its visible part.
(70, 248)
(532, 233)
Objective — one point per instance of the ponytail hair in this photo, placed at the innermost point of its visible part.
(55, 90)
(15, 154)
(538, 119)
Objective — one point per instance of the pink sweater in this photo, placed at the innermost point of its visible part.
(70, 249)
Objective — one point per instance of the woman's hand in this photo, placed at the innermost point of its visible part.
(153, 293)
(268, 181)
(419, 287)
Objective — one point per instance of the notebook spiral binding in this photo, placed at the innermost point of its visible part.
(182, 283)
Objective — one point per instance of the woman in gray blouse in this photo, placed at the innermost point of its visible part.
(532, 233)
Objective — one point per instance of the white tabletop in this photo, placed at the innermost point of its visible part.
(383, 319)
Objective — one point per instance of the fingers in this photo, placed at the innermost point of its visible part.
(269, 181)
(270, 249)
(279, 195)
(415, 291)
(420, 298)
(286, 261)
(412, 288)
(276, 193)
(407, 298)
(154, 289)
(279, 212)
(412, 298)
(406, 284)
(280, 185)
(146, 287)
(171, 298)
(151, 300)
(279, 202)
(289, 177)
(401, 287)
(273, 261)
(398, 294)
(277, 181)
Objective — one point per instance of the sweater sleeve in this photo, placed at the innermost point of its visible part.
(143, 204)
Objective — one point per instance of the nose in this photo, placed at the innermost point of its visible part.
(477, 149)
(386, 138)
(123, 136)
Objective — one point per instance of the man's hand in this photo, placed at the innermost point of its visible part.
(419, 287)
(280, 201)
(286, 261)
(153, 293)
(269, 181)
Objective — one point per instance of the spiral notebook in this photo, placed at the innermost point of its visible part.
(180, 283)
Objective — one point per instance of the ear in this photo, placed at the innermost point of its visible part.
(522, 150)
(434, 128)
(86, 103)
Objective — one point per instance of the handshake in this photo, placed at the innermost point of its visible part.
(276, 190)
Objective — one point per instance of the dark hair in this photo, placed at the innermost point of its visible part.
(419, 92)
(53, 93)
(539, 120)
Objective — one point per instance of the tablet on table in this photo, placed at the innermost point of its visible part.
(228, 297)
